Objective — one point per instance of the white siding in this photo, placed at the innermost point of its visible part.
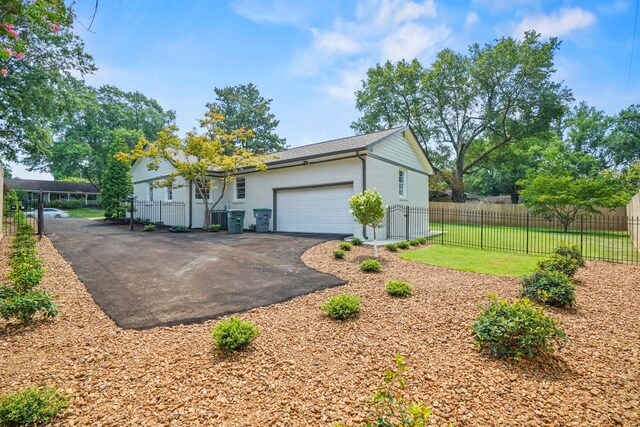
(401, 150)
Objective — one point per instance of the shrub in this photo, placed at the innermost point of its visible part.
(403, 245)
(181, 228)
(551, 287)
(399, 288)
(26, 273)
(253, 227)
(414, 242)
(562, 264)
(422, 240)
(516, 330)
(23, 305)
(345, 246)
(391, 247)
(66, 204)
(571, 251)
(234, 334)
(32, 406)
(150, 227)
(338, 254)
(356, 241)
(370, 266)
(215, 227)
(342, 306)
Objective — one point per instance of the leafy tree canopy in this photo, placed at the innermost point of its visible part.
(368, 210)
(244, 107)
(497, 94)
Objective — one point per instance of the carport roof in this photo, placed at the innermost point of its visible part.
(53, 186)
(335, 146)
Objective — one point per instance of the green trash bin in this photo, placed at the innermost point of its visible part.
(235, 220)
(262, 216)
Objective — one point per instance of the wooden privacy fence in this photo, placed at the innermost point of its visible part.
(516, 216)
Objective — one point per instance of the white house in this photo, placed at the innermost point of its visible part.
(308, 187)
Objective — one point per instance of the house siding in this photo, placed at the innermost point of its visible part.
(399, 149)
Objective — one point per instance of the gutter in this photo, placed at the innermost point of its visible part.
(364, 185)
(190, 203)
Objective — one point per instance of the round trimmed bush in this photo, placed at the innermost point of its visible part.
(403, 245)
(338, 254)
(414, 242)
(32, 406)
(551, 287)
(571, 251)
(516, 330)
(356, 241)
(345, 246)
(422, 240)
(342, 306)
(234, 334)
(391, 247)
(560, 263)
(370, 266)
(399, 288)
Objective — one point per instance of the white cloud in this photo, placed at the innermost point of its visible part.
(344, 89)
(334, 42)
(502, 5)
(395, 12)
(559, 23)
(412, 40)
(273, 12)
(471, 19)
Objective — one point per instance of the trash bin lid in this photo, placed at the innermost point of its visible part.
(236, 210)
(262, 209)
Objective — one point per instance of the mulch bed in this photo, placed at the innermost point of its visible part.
(305, 369)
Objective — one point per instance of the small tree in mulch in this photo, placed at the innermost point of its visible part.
(368, 210)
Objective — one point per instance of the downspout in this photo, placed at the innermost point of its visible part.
(364, 186)
(190, 203)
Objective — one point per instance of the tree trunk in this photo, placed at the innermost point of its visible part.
(375, 244)
(457, 185)
(515, 197)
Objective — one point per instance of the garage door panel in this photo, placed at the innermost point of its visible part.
(315, 210)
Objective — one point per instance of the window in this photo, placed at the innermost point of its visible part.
(150, 192)
(402, 183)
(169, 193)
(240, 188)
(207, 192)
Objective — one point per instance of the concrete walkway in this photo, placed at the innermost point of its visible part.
(142, 280)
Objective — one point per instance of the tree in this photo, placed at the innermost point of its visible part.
(499, 173)
(496, 95)
(39, 91)
(244, 107)
(117, 185)
(627, 131)
(197, 157)
(368, 210)
(569, 184)
(84, 143)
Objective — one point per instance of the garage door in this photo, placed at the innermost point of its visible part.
(315, 210)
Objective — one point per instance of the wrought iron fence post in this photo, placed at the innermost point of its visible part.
(40, 214)
(442, 223)
(406, 214)
(131, 214)
(527, 232)
(389, 222)
(481, 229)
(581, 230)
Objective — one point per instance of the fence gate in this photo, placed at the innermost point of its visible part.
(16, 213)
(407, 222)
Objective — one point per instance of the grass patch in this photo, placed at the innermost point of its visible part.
(87, 213)
(475, 260)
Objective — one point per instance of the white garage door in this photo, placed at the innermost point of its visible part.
(315, 210)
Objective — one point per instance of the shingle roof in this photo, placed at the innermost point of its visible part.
(59, 186)
(351, 143)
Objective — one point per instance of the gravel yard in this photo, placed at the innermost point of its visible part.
(307, 370)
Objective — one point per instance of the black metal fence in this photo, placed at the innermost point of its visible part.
(16, 213)
(220, 217)
(608, 238)
(160, 213)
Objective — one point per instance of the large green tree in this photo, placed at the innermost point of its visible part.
(84, 143)
(117, 185)
(570, 183)
(244, 107)
(495, 95)
(38, 91)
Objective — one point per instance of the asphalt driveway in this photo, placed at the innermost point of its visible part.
(142, 280)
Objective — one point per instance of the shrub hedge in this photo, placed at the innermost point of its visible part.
(559, 263)
(234, 334)
(341, 307)
(551, 287)
(32, 406)
(370, 266)
(399, 288)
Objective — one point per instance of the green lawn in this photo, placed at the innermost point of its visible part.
(88, 213)
(474, 260)
(613, 246)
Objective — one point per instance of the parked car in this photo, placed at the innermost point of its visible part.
(48, 213)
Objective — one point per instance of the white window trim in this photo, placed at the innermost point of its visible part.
(196, 193)
(235, 190)
(405, 184)
(167, 191)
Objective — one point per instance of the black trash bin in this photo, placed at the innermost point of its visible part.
(235, 221)
(262, 216)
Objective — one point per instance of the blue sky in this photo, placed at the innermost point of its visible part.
(310, 56)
